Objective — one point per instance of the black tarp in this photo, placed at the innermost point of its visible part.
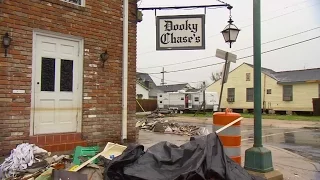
(202, 158)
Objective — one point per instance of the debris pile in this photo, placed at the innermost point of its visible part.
(165, 126)
(163, 161)
(30, 162)
(162, 114)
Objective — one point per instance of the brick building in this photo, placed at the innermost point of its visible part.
(54, 90)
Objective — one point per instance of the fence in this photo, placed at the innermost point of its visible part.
(316, 106)
(147, 105)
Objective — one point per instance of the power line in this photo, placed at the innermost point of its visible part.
(198, 59)
(283, 47)
(279, 39)
(179, 62)
(175, 81)
(273, 18)
(276, 10)
(221, 2)
(148, 52)
(195, 67)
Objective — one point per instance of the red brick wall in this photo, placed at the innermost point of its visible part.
(100, 24)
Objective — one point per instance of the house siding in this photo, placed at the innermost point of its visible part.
(302, 93)
(302, 97)
(237, 80)
(99, 23)
(143, 91)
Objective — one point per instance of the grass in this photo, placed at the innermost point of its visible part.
(266, 116)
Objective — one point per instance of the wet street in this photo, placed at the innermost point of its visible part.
(302, 141)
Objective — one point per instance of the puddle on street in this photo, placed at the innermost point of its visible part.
(305, 143)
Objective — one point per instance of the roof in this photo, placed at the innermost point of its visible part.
(193, 90)
(266, 71)
(142, 77)
(289, 77)
(153, 89)
(297, 76)
(172, 87)
(142, 85)
(293, 76)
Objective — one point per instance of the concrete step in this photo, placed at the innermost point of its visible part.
(58, 142)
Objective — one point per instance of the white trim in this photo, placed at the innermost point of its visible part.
(83, 2)
(37, 32)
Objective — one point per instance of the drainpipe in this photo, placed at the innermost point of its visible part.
(264, 92)
(125, 71)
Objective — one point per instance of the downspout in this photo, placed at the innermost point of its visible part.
(125, 71)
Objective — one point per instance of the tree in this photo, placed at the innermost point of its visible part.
(216, 76)
(200, 84)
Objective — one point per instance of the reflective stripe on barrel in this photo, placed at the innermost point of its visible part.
(230, 137)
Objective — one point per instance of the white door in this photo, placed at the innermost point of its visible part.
(56, 91)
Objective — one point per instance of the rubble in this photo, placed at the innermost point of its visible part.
(29, 162)
(161, 114)
(164, 126)
(119, 161)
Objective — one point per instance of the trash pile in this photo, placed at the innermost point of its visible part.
(202, 158)
(29, 162)
(165, 126)
(160, 115)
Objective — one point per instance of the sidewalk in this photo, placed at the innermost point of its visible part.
(249, 122)
(293, 166)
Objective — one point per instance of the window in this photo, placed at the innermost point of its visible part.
(48, 69)
(250, 94)
(182, 98)
(66, 75)
(268, 91)
(287, 93)
(76, 2)
(160, 102)
(139, 96)
(196, 99)
(248, 76)
(160, 95)
(231, 94)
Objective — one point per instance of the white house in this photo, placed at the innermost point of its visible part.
(142, 92)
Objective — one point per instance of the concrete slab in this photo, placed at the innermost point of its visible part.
(291, 165)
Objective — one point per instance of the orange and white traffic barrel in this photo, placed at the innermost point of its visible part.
(230, 137)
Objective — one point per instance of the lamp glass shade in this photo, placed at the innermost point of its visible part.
(230, 33)
(6, 40)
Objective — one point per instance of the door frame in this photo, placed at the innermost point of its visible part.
(79, 94)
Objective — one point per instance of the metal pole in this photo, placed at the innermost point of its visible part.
(257, 73)
(125, 71)
(204, 97)
(222, 80)
(162, 83)
(258, 158)
(183, 7)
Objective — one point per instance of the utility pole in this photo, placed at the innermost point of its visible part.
(204, 97)
(257, 158)
(162, 80)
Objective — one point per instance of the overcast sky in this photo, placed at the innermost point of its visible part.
(280, 19)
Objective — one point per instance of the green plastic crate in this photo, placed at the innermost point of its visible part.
(86, 152)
